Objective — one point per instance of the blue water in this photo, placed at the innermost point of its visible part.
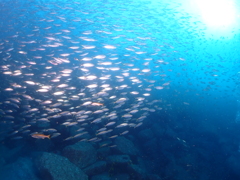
(185, 69)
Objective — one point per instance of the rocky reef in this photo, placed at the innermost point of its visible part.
(154, 153)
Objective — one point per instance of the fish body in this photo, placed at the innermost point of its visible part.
(40, 136)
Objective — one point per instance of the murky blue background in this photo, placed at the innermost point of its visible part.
(198, 62)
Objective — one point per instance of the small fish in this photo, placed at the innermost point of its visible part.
(96, 104)
(40, 136)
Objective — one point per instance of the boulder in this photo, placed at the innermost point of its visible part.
(103, 152)
(96, 168)
(81, 154)
(116, 160)
(125, 146)
(151, 148)
(54, 167)
(137, 172)
(233, 163)
(10, 155)
(153, 177)
(145, 135)
(101, 177)
(22, 169)
(158, 130)
(121, 176)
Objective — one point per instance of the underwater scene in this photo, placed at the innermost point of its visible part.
(119, 90)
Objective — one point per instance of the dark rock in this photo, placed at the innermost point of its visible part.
(178, 172)
(120, 177)
(118, 160)
(170, 133)
(143, 163)
(137, 172)
(103, 152)
(54, 167)
(152, 165)
(153, 177)
(10, 155)
(124, 146)
(81, 154)
(151, 148)
(101, 177)
(145, 135)
(22, 169)
(234, 164)
(96, 168)
(158, 130)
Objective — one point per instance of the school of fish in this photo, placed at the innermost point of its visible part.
(63, 79)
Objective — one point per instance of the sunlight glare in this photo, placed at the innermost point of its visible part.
(217, 13)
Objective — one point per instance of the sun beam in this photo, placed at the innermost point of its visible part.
(217, 13)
